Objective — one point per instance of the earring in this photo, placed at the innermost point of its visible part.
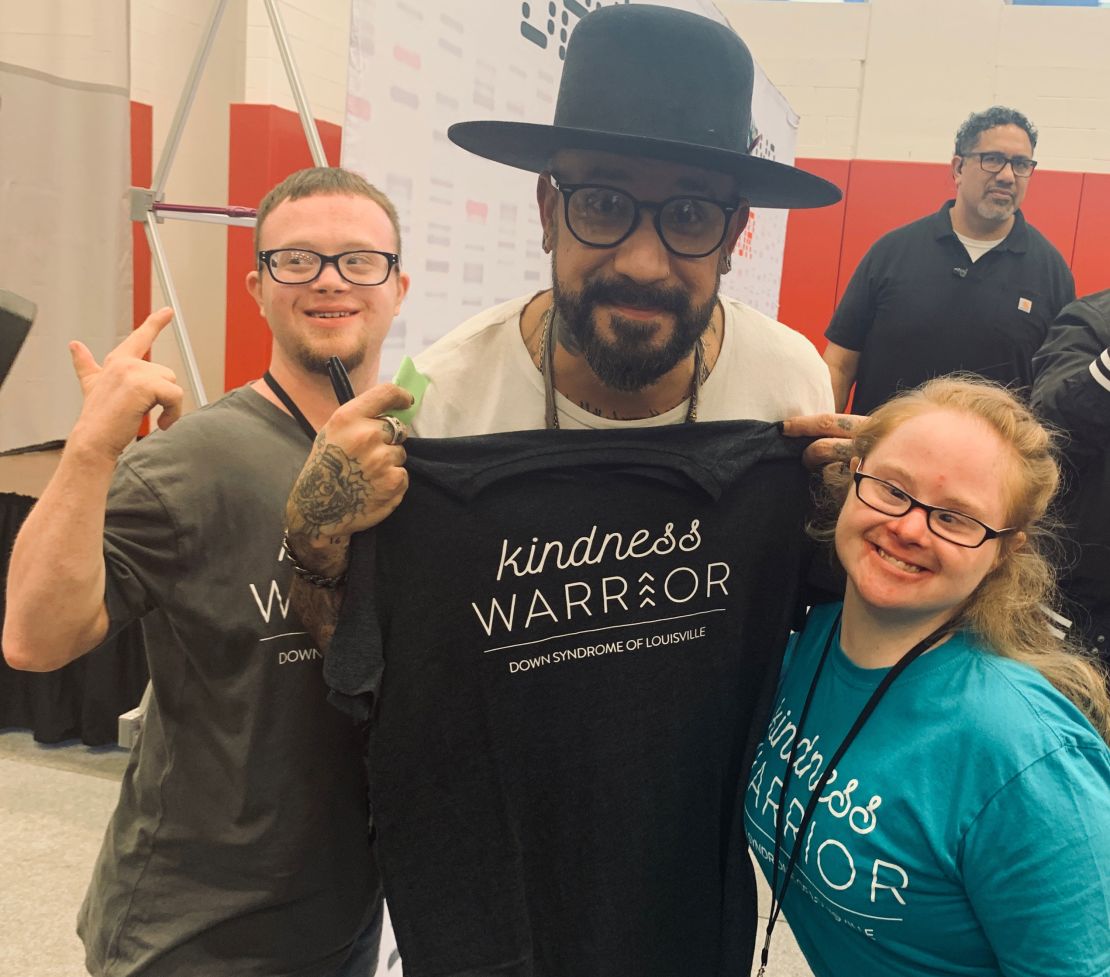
(724, 265)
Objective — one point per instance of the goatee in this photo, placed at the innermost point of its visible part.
(629, 362)
(316, 362)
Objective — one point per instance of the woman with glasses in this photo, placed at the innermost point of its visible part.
(932, 795)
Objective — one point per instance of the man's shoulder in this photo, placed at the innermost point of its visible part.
(489, 326)
(215, 431)
(774, 370)
(481, 378)
(925, 228)
(892, 247)
(753, 325)
(1037, 242)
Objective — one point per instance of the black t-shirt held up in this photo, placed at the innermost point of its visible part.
(562, 640)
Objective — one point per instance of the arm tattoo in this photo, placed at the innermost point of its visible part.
(318, 609)
(332, 489)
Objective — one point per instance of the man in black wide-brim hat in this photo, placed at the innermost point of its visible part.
(644, 185)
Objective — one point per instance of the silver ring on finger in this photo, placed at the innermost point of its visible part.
(396, 428)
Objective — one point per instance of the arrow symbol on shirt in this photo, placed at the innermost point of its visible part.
(646, 601)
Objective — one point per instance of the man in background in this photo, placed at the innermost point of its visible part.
(972, 287)
(240, 844)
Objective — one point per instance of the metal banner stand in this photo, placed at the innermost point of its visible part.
(148, 207)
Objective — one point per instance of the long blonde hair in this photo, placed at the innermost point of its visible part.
(1007, 609)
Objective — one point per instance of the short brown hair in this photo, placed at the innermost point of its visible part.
(323, 181)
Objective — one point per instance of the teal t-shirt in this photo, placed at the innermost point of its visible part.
(966, 831)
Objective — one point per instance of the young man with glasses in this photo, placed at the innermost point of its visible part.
(973, 287)
(240, 844)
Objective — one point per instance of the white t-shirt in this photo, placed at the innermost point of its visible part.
(976, 248)
(483, 380)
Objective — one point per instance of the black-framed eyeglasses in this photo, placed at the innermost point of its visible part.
(603, 217)
(1022, 166)
(299, 266)
(950, 524)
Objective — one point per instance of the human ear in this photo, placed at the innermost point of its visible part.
(253, 282)
(1012, 545)
(737, 223)
(403, 282)
(547, 198)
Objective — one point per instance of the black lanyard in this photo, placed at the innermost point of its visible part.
(290, 405)
(777, 895)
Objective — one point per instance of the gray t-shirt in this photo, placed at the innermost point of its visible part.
(240, 845)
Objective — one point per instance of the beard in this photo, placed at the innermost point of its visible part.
(315, 361)
(629, 362)
(996, 211)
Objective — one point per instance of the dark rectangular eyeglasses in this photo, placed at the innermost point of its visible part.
(1022, 166)
(299, 266)
(950, 524)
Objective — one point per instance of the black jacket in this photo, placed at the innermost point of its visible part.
(1072, 392)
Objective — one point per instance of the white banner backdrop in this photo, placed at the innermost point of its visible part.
(65, 232)
(471, 235)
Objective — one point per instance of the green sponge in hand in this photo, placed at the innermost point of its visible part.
(412, 380)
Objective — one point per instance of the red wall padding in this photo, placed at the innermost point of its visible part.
(1091, 257)
(267, 144)
(809, 272)
(142, 175)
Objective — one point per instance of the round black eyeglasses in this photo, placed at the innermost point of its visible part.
(299, 266)
(950, 524)
(603, 217)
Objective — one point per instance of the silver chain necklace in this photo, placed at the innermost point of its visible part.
(548, 340)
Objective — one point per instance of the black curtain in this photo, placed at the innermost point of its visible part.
(82, 700)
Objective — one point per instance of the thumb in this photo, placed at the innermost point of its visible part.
(84, 363)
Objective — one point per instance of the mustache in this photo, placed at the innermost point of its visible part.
(635, 296)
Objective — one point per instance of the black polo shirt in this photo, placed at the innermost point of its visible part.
(917, 307)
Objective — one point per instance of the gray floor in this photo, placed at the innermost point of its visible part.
(54, 804)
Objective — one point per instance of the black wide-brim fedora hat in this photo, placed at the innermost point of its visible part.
(643, 80)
